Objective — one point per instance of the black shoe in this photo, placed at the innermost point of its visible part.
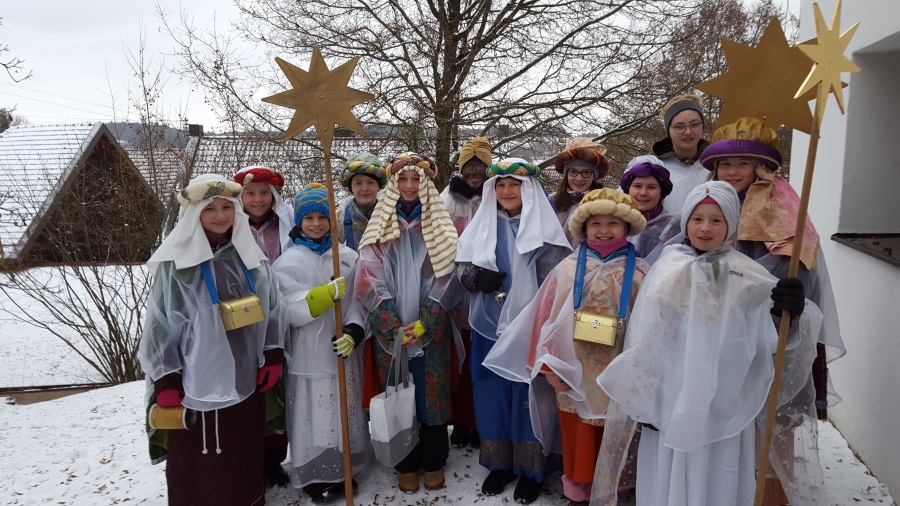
(275, 476)
(496, 481)
(324, 493)
(527, 490)
(475, 439)
(459, 437)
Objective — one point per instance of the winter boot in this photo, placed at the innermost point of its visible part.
(408, 482)
(496, 481)
(434, 480)
(527, 490)
(459, 437)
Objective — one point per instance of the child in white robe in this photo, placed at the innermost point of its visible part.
(697, 369)
(305, 271)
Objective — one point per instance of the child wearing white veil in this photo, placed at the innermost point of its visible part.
(192, 361)
(602, 277)
(697, 368)
(510, 246)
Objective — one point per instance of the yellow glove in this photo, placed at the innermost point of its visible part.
(323, 297)
(418, 329)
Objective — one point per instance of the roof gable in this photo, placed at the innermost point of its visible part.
(36, 161)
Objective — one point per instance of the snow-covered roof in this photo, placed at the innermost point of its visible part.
(300, 162)
(163, 169)
(35, 161)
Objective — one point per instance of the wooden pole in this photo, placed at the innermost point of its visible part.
(763, 466)
(339, 331)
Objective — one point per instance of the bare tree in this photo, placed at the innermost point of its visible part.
(441, 66)
(85, 282)
(91, 290)
(13, 66)
(694, 56)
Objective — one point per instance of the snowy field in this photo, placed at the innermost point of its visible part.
(90, 449)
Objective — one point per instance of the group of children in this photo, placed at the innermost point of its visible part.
(512, 306)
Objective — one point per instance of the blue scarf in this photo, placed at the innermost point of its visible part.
(415, 213)
(318, 246)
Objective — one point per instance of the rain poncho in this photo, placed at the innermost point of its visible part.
(183, 330)
(525, 247)
(313, 405)
(395, 281)
(698, 366)
(541, 335)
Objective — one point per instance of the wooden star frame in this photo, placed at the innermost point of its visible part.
(322, 98)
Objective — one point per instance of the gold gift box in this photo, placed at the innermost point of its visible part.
(593, 328)
(237, 313)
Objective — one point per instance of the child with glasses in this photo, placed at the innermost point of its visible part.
(583, 164)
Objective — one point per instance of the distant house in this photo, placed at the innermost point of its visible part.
(856, 209)
(301, 160)
(71, 195)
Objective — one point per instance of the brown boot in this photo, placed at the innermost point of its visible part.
(434, 479)
(408, 482)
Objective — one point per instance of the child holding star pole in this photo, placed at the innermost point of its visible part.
(313, 389)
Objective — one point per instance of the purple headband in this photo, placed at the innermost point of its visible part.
(645, 169)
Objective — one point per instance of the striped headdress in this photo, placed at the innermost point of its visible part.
(437, 227)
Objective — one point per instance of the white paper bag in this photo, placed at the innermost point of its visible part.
(392, 413)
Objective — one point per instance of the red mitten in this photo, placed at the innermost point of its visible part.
(268, 376)
(169, 398)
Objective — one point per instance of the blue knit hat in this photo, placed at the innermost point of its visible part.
(312, 198)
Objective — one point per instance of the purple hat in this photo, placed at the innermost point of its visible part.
(740, 148)
(644, 169)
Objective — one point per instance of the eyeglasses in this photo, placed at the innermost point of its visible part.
(681, 127)
(586, 174)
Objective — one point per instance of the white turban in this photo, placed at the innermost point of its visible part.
(723, 194)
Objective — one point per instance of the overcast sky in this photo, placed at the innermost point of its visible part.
(76, 53)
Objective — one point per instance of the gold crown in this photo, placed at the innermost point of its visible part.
(748, 129)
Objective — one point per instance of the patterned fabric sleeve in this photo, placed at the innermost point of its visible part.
(385, 319)
(431, 316)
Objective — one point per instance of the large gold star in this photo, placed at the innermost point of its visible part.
(320, 97)
(828, 58)
(761, 82)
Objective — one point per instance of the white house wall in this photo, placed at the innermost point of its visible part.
(857, 189)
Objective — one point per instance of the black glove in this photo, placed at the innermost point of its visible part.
(489, 281)
(788, 295)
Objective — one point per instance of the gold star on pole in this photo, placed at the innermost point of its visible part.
(761, 81)
(827, 55)
(320, 98)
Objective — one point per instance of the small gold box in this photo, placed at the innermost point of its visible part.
(237, 313)
(598, 329)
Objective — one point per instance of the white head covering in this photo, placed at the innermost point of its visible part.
(187, 244)
(644, 158)
(538, 226)
(283, 211)
(723, 194)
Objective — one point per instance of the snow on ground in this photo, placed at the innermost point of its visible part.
(90, 449)
(30, 356)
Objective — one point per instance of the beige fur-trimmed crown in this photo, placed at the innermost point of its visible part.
(606, 201)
